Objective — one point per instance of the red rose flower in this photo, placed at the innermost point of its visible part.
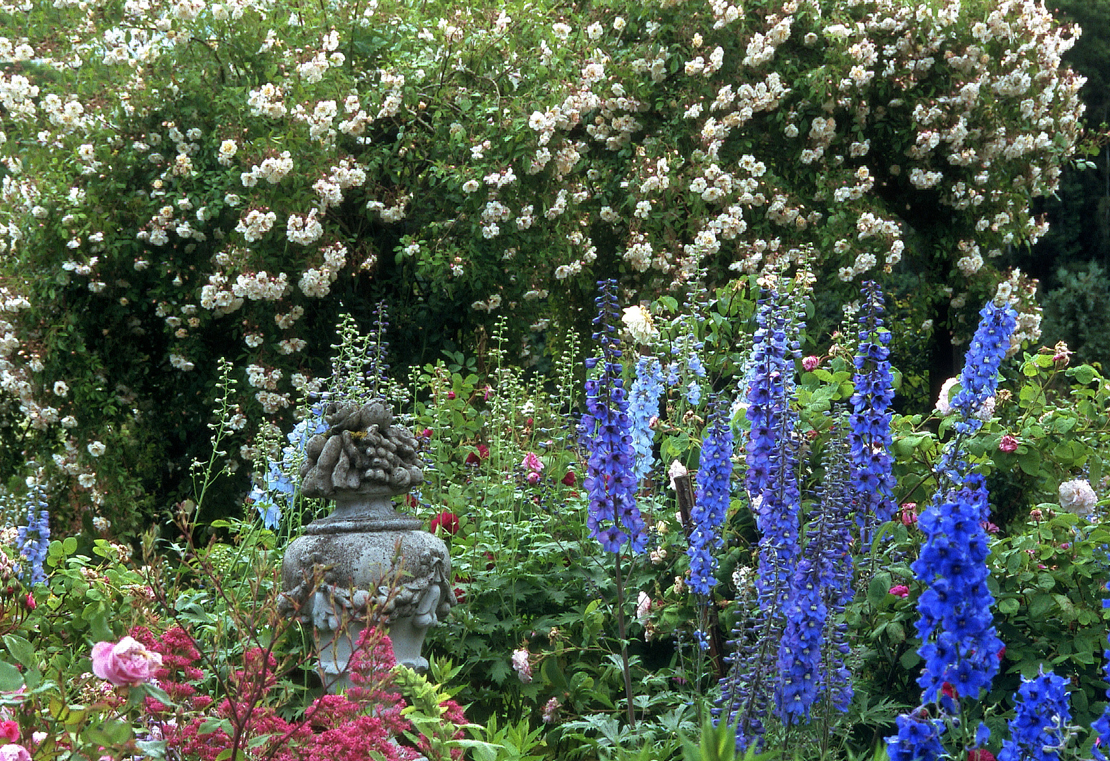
(980, 754)
(570, 479)
(449, 522)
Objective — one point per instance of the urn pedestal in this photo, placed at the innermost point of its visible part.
(366, 564)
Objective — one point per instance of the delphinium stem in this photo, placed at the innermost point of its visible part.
(622, 632)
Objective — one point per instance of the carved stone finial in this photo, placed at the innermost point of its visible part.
(361, 452)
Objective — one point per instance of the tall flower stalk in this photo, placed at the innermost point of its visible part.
(775, 498)
(33, 540)
(711, 506)
(959, 643)
(613, 520)
(643, 407)
(870, 420)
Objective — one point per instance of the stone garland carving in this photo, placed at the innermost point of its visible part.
(424, 594)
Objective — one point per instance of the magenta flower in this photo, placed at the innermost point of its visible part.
(900, 590)
(1008, 444)
(810, 363)
(532, 463)
(124, 663)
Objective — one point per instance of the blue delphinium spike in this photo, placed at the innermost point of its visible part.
(814, 643)
(870, 420)
(610, 483)
(1039, 730)
(833, 528)
(642, 407)
(33, 540)
(711, 505)
(959, 643)
(772, 450)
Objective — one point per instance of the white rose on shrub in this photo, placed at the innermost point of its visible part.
(1077, 496)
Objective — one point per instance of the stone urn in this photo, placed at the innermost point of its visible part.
(365, 563)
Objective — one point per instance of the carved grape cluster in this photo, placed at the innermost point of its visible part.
(361, 449)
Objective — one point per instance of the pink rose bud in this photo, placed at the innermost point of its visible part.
(1036, 514)
(450, 394)
(1008, 444)
(126, 662)
(909, 514)
(427, 433)
(533, 478)
(810, 363)
(31, 605)
(900, 590)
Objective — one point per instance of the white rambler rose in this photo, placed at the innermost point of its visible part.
(943, 406)
(637, 321)
(1077, 496)
(96, 449)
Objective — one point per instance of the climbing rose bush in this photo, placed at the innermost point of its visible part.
(185, 181)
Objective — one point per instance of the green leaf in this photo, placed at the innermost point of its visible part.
(69, 546)
(10, 678)
(1083, 374)
(878, 589)
(21, 650)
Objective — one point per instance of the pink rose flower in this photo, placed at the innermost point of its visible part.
(14, 753)
(900, 590)
(1008, 444)
(810, 363)
(909, 514)
(9, 730)
(533, 478)
(532, 462)
(126, 662)
(522, 664)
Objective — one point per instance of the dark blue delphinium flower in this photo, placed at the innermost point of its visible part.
(1039, 730)
(870, 419)
(33, 540)
(834, 529)
(812, 653)
(711, 506)
(613, 518)
(772, 450)
(918, 738)
(773, 489)
(959, 643)
(642, 407)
